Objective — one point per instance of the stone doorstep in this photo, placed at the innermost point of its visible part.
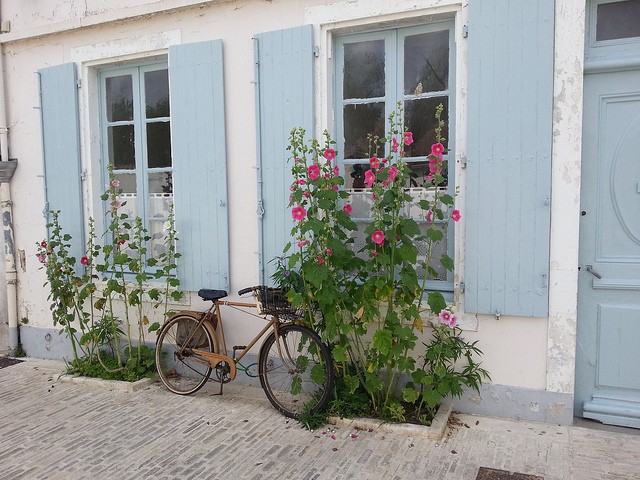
(434, 432)
(117, 385)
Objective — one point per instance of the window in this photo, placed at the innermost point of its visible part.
(618, 20)
(136, 132)
(376, 71)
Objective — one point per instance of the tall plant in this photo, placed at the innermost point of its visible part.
(120, 282)
(371, 302)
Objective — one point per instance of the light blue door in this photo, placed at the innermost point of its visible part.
(608, 350)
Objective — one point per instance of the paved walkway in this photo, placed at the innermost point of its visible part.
(53, 430)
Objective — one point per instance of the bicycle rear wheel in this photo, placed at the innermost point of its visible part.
(296, 370)
(180, 369)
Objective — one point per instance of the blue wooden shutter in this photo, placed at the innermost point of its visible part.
(61, 149)
(285, 100)
(509, 156)
(199, 160)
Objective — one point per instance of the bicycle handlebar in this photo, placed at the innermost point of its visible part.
(246, 290)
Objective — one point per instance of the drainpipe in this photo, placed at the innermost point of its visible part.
(11, 275)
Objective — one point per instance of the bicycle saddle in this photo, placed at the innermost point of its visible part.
(207, 294)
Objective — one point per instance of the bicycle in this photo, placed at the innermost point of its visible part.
(294, 365)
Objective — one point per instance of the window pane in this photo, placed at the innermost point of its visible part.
(159, 145)
(420, 119)
(359, 121)
(156, 232)
(160, 183)
(364, 69)
(354, 175)
(618, 20)
(121, 147)
(119, 93)
(156, 89)
(128, 197)
(426, 63)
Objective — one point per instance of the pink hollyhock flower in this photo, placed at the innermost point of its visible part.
(385, 183)
(320, 260)
(313, 171)
(329, 251)
(306, 195)
(393, 171)
(302, 243)
(374, 253)
(377, 237)
(455, 215)
(448, 318)
(435, 165)
(329, 154)
(408, 138)
(298, 213)
(369, 178)
(297, 160)
(429, 216)
(115, 183)
(42, 258)
(348, 208)
(437, 149)
(336, 170)
(394, 144)
(121, 242)
(292, 187)
(374, 162)
(335, 187)
(43, 244)
(84, 261)
(302, 181)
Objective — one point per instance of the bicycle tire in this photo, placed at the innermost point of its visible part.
(304, 380)
(179, 369)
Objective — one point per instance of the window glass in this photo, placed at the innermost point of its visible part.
(156, 89)
(419, 117)
(426, 62)
(122, 153)
(364, 69)
(119, 92)
(618, 20)
(359, 121)
(159, 144)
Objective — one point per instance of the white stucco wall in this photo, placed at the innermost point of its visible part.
(520, 352)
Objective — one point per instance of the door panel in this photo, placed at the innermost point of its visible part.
(608, 353)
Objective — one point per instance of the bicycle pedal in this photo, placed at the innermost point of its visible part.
(239, 347)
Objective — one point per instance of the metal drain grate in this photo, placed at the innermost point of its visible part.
(485, 473)
(7, 362)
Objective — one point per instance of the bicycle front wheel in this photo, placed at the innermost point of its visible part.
(296, 370)
(180, 369)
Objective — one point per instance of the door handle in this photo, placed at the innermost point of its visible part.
(590, 269)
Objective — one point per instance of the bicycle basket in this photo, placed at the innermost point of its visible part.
(273, 301)
(187, 337)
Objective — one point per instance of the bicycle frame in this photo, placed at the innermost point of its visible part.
(215, 359)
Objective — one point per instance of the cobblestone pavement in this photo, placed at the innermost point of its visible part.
(53, 430)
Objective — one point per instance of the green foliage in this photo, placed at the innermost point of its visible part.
(369, 304)
(97, 299)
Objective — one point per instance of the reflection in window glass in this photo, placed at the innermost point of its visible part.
(119, 93)
(618, 20)
(359, 121)
(419, 117)
(158, 144)
(426, 63)
(156, 89)
(364, 69)
(122, 153)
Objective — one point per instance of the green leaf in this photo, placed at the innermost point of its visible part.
(447, 262)
(296, 385)
(435, 234)
(436, 302)
(410, 395)
(154, 326)
(382, 341)
(446, 199)
(318, 374)
(302, 362)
